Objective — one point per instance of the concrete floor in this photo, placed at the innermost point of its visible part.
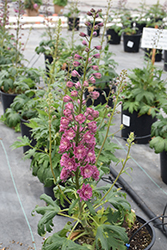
(20, 191)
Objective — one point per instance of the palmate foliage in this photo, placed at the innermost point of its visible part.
(145, 91)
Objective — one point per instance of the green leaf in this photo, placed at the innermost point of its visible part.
(158, 144)
(111, 236)
(23, 141)
(90, 206)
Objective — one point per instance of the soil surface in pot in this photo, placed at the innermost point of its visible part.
(139, 242)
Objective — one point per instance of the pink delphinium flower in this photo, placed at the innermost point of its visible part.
(80, 118)
(84, 43)
(69, 84)
(96, 55)
(77, 57)
(74, 93)
(76, 63)
(97, 75)
(85, 193)
(65, 174)
(65, 144)
(95, 67)
(94, 95)
(67, 98)
(69, 134)
(86, 171)
(88, 138)
(77, 85)
(79, 152)
(75, 73)
(92, 126)
(82, 34)
(90, 157)
(92, 79)
(96, 173)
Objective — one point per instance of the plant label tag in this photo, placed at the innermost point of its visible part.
(130, 44)
(126, 120)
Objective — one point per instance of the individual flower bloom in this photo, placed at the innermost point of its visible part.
(76, 63)
(68, 113)
(97, 75)
(94, 33)
(65, 174)
(87, 23)
(70, 106)
(96, 55)
(80, 118)
(96, 173)
(98, 47)
(100, 24)
(69, 84)
(91, 157)
(79, 152)
(94, 95)
(92, 79)
(84, 43)
(78, 85)
(85, 193)
(89, 13)
(82, 34)
(95, 67)
(64, 158)
(74, 93)
(67, 98)
(71, 165)
(35, 6)
(75, 73)
(88, 138)
(92, 126)
(64, 145)
(69, 134)
(95, 114)
(89, 111)
(63, 124)
(83, 102)
(86, 171)
(90, 117)
(77, 57)
(86, 84)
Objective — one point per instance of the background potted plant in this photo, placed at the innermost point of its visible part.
(32, 7)
(59, 6)
(143, 96)
(72, 15)
(159, 140)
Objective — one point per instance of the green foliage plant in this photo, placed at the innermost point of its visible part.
(145, 90)
(159, 132)
(32, 4)
(60, 2)
(90, 219)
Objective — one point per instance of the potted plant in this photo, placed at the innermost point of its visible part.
(143, 96)
(72, 16)
(59, 6)
(32, 7)
(159, 140)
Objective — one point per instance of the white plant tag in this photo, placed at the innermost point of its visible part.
(130, 44)
(126, 120)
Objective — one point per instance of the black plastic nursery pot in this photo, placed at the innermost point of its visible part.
(113, 37)
(158, 54)
(73, 23)
(150, 230)
(131, 42)
(163, 166)
(140, 125)
(165, 60)
(25, 130)
(89, 28)
(101, 99)
(48, 61)
(7, 100)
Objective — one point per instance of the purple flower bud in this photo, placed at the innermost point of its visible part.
(92, 10)
(96, 27)
(69, 84)
(99, 10)
(98, 47)
(89, 13)
(87, 49)
(95, 67)
(77, 57)
(94, 33)
(97, 75)
(78, 85)
(87, 23)
(75, 73)
(76, 63)
(35, 6)
(96, 55)
(100, 24)
(95, 95)
(92, 79)
(86, 84)
(97, 15)
(82, 34)
(84, 43)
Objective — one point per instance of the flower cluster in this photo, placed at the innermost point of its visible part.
(77, 145)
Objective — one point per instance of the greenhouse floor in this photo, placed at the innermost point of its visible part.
(20, 191)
